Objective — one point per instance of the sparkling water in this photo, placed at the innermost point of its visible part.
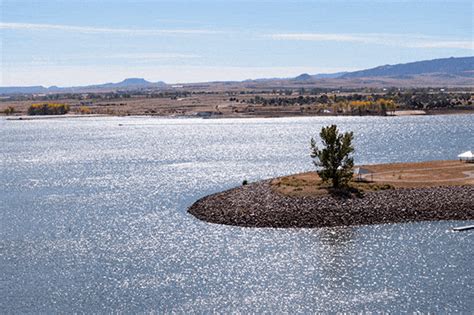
(93, 219)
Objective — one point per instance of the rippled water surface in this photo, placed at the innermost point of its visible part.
(93, 219)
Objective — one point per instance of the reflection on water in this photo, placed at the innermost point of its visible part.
(93, 219)
(338, 238)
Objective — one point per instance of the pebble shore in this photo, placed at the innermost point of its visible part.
(258, 205)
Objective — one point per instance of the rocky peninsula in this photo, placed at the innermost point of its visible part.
(403, 192)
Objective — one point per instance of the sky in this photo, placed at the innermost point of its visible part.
(80, 42)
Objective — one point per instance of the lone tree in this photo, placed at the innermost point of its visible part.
(334, 159)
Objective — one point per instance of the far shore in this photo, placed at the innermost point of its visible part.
(390, 193)
(40, 117)
(400, 113)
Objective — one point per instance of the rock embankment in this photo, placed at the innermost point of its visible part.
(258, 205)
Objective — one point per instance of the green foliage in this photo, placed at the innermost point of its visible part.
(48, 109)
(245, 182)
(334, 160)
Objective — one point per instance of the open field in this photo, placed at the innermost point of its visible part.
(253, 103)
(385, 176)
(215, 105)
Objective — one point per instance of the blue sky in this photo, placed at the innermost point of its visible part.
(70, 42)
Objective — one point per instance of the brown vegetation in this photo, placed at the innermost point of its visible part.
(382, 177)
(48, 109)
(247, 102)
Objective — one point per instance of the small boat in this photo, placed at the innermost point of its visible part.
(463, 228)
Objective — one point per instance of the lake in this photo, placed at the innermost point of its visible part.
(93, 219)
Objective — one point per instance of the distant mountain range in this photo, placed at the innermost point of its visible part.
(308, 77)
(127, 84)
(450, 66)
(130, 83)
(429, 73)
(445, 72)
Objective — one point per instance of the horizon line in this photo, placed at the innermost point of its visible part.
(298, 70)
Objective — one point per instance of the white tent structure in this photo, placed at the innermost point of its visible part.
(359, 171)
(467, 156)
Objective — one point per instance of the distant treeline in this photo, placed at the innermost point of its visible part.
(182, 93)
(48, 109)
(432, 100)
(105, 96)
(365, 101)
(371, 102)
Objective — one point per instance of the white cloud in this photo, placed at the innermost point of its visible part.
(399, 40)
(103, 30)
(410, 41)
(99, 58)
(151, 56)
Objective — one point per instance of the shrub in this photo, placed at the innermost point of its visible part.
(245, 182)
(9, 110)
(48, 109)
(85, 110)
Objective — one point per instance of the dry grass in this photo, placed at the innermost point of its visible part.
(424, 174)
(217, 102)
(184, 106)
(384, 176)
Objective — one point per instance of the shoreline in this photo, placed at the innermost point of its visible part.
(269, 203)
(257, 115)
(45, 117)
(257, 205)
